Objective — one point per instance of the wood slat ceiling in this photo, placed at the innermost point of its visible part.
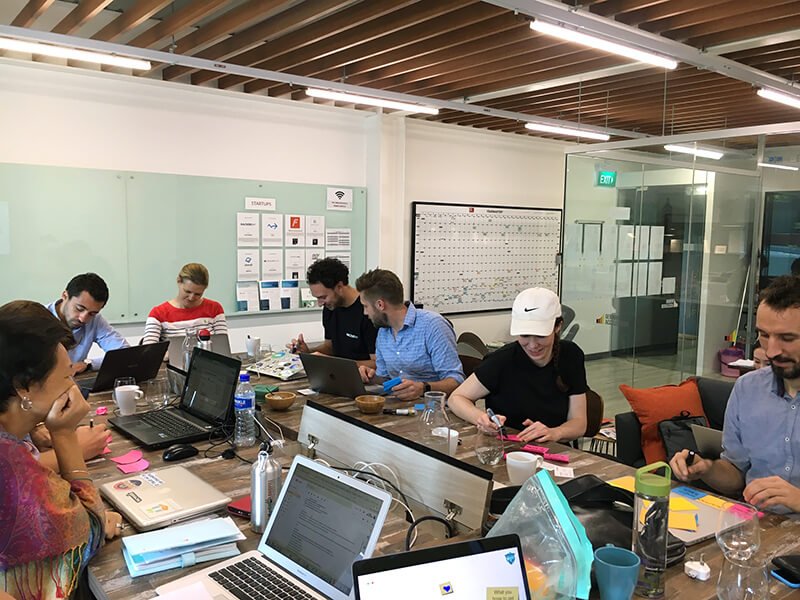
(458, 49)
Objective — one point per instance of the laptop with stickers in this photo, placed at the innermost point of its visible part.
(156, 499)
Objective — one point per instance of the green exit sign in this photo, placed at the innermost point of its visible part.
(607, 178)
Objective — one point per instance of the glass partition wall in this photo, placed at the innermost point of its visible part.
(658, 260)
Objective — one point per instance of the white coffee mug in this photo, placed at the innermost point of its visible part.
(253, 345)
(452, 438)
(521, 466)
(126, 397)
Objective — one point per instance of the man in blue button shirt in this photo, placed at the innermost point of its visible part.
(79, 307)
(761, 433)
(418, 346)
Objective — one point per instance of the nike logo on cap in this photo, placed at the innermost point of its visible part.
(530, 309)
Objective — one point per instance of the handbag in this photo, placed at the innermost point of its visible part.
(676, 433)
(596, 504)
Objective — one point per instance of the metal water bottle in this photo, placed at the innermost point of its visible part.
(265, 484)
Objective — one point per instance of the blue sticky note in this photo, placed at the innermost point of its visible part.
(690, 493)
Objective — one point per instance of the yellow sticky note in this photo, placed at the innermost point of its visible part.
(714, 502)
(680, 503)
(683, 520)
(626, 483)
(504, 593)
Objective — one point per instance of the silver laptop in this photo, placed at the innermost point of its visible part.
(708, 441)
(323, 521)
(154, 499)
(337, 376)
(220, 344)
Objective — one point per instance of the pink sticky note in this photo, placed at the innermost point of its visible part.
(563, 458)
(510, 438)
(535, 449)
(106, 450)
(743, 511)
(139, 465)
(101, 410)
(127, 459)
(108, 439)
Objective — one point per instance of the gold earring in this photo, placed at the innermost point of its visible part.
(25, 403)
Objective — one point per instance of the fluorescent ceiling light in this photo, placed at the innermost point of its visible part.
(793, 101)
(73, 54)
(694, 151)
(774, 166)
(356, 99)
(577, 37)
(604, 137)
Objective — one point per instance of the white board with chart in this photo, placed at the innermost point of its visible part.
(478, 258)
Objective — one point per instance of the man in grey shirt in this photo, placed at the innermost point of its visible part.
(761, 433)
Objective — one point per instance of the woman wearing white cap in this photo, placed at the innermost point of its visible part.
(536, 384)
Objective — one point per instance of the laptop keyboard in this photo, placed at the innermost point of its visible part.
(251, 579)
(170, 424)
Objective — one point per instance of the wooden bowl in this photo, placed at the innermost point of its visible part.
(369, 404)
(280, 400)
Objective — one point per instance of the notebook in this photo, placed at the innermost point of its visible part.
(206, 404)
(141, 362)
(474, 570)
(323, 521)
(219, 344)
(337, 376)
(708, 441)
(156, 499)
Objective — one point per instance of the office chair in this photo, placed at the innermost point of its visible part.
(473, 340)
(568, 316)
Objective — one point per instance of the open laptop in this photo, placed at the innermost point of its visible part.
(337, 376)
(708, 441)
(219, 344)
(206, 404)
(156, 499)
(474, 570)
(324, 520)
(141, 362)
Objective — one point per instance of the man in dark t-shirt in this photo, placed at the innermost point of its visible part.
(348, 332)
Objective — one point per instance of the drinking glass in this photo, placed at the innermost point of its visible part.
(157, 393)
(743, 581)
(488, 448)
(738, 533)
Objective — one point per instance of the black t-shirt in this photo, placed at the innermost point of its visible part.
(520, 390)
(350, 331)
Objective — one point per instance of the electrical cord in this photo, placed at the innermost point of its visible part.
(412, 528)
(405, 502)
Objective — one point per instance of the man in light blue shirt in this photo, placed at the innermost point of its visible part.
(761, 433)
(79, 307)
(419, 346)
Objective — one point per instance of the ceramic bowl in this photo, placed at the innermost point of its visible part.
(280, 400)
(369, 404)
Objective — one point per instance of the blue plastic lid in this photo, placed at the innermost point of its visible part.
(419, 407)
(244, 377)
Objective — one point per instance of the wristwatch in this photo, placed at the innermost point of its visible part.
(426, 387)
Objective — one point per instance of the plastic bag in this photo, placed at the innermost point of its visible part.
(558, 555)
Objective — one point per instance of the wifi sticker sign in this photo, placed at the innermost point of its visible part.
(339, 199)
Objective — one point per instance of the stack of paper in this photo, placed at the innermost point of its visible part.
(181, 546)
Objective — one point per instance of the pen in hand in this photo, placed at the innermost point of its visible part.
(493, 418)
(690, 458)
(91, 423)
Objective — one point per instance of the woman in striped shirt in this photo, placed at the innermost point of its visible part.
(188, 310)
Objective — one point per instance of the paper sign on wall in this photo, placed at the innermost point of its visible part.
(295, 231)
(272, 230)
(313, 255)
(271, 263)
(295, 264)
(247, 229)
(247, 265)
(315, 231)
(251, 203)
(270, 295)
(337, 239)
(343, 257)
(290, 294)
(247, 295)
(339, 199)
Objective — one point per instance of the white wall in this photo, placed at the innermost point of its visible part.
(68, 117)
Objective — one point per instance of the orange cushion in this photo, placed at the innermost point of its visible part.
(656, 404)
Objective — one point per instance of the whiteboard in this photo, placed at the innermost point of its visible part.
(478, 258)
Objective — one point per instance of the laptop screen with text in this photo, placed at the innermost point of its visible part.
(323, 525)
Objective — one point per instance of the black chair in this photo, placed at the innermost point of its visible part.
(568, 316)
(472, 339)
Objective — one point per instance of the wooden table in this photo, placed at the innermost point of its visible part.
(108, 575)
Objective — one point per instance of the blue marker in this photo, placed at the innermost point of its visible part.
(493, 418)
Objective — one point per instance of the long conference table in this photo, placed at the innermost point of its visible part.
(108, 576)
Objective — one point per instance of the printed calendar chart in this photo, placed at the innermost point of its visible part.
(477, 258)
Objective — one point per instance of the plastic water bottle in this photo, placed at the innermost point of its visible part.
(651, 510)
(244, 404)
(188, 347)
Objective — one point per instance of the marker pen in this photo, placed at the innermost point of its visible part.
(493, 418)
(400, 411)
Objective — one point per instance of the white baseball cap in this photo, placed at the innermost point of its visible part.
(535, 312)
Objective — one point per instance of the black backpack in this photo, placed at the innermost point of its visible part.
(676, 433)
